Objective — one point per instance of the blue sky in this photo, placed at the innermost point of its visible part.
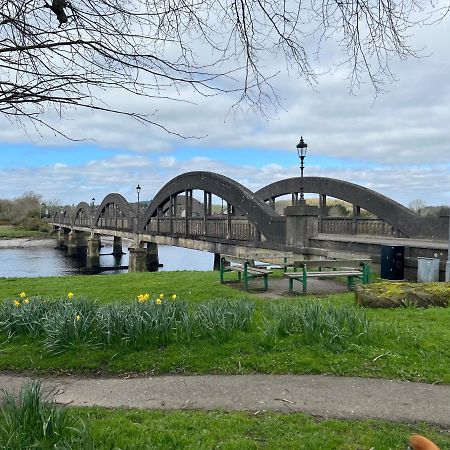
(16, 156)
(397, 143)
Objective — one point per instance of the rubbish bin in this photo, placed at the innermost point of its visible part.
(427, 270)
(393, 262)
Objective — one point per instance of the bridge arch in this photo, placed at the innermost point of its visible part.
(82, 215)
(402, 218)
(268, 222)
(113, 208)
(64, 216)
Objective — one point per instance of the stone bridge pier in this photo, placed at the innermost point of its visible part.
(77, 243)
(62, 237)
(94, 244)
(143, 257)
(302, 224)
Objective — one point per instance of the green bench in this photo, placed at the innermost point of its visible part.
(244, 269)
(350, 268)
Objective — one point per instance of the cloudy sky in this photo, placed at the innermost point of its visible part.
(397, 143)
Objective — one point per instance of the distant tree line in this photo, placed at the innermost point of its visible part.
(27, 211)
(420, 207)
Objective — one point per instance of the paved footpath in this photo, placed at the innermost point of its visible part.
(324, 396)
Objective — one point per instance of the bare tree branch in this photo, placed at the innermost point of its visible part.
(54, 55)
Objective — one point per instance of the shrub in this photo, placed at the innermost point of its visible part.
(400, 294)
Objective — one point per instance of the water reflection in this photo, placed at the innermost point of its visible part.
(47, 261)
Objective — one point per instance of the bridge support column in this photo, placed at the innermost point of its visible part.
(72, 244)
(302, 224)
(60, 238)
(93, 254)
(76, 243)
(152, 256)
(356, 216)
(322, 210)
(117, 246)
(137, 260)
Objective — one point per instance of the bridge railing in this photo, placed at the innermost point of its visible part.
(233, 228)
(368, 226)
(114, 223)
(83, 222)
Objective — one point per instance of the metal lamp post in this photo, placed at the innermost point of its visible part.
(92, 216)
(138, 191)
(302, 147)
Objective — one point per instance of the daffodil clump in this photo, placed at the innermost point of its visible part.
(72, 322)
(142, 298)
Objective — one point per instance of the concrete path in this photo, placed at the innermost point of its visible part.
(323, 396)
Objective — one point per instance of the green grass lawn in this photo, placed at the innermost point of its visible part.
(414, 347)
(136, 429)
(12, 232)
(191, 286)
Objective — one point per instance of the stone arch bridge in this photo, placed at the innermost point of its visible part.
(182, 214)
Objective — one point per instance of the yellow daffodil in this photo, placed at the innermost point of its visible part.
(17, 303)
(26, 301)
(141, 298)
(158, 301)
(161, 295)
(174, 296)
(78, 317)
(70, 295)
(22, 295)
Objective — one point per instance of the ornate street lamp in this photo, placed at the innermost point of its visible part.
(138, 191)
(302, 146)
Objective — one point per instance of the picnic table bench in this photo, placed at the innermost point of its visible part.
(350, 268)
(244, 269)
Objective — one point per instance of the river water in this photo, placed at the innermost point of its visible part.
(48, 261)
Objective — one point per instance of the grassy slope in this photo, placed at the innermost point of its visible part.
(416, 350)
(11, 232)
(134, 429)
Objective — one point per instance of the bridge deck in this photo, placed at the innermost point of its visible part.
(383, 240)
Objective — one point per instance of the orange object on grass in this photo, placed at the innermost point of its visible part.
(417, 442)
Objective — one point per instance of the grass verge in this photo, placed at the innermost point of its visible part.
(32, 422)
(137, 429)
(12, 232)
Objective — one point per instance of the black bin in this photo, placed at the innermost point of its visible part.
(393, 262)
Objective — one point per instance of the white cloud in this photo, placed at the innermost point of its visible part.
(167, 161)
(73, 184)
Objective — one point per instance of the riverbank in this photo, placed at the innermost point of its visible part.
(26, 243)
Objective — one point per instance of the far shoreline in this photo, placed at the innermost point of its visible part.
(26, 243)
